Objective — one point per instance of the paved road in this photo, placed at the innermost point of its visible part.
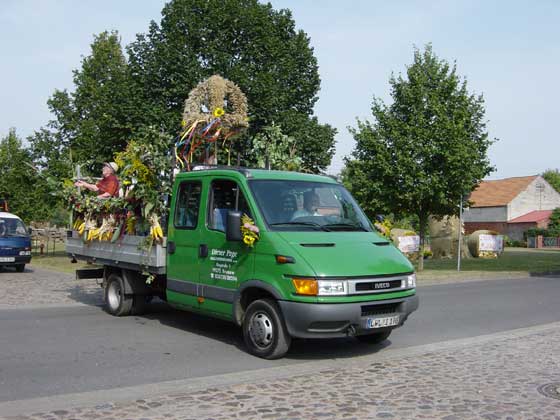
(48, 351)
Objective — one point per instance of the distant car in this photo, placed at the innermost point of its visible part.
(15, 242)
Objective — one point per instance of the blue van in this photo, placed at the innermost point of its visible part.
(15, 242)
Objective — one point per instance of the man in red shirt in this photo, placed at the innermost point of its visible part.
(108, 186)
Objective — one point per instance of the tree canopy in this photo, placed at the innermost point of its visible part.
(27, 193)
(246, 42)
(552, 176)
(425, 150)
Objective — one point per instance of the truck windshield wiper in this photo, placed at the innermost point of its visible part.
(311, 224)
(347, 225)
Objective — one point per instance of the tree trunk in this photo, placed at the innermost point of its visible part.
(423, 223)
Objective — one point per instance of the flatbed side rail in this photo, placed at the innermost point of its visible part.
(128, 252)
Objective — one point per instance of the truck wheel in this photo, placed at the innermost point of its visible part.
(264, 331)
(116, 302)
(375, 338)
(20, 268)
(140, 304)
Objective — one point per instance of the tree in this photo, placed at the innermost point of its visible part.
(552, 176)
(426, 150)
(554, 223)
(249, 43)
(275, 149)
(95, 120)
(27, 194)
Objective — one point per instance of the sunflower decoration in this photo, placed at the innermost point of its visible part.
(249, 231)
(215, 112)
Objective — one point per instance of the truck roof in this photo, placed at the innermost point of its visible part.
(5, 215)
(263, 174)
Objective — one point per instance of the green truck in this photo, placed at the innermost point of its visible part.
(317, 270)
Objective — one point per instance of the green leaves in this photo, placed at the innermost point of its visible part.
(425, 150)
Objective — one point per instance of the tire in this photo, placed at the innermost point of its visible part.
(20, 268)
(374, 338)
(116, 301)
(264, 330)
(140, 304)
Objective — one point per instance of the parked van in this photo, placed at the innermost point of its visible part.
(15, 242)
(318, 270)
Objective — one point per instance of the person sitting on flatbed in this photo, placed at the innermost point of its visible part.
(108, 186)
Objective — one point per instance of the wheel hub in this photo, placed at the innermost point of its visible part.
(260, 330)
(114, 295)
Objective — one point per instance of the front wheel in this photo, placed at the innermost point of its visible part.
(374, 338)
(20, 268)
(116, 301)
(264, 331)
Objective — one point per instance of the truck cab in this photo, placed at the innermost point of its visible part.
(318, 269)
(15, 242)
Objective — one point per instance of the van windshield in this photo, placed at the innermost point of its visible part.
(306, 206)
(11, 227)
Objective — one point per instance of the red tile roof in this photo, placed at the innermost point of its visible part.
(533, 216)
(499, 192)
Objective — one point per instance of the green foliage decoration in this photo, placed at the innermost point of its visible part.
(271, 146)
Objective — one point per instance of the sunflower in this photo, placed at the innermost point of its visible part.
(218, 112)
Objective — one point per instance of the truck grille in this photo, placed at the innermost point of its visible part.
(377, 285)
(383, 309)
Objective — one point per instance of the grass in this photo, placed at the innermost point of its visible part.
(56, 260)
(514, 262)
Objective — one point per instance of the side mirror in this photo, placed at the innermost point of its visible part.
(379, 218)
(29, 231)
(233, 226)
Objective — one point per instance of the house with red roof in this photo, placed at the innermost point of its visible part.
(511, 205)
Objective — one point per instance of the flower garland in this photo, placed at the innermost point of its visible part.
(249, 231)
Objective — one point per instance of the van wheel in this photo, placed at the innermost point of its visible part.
(375, 338)
(264, 331)
(140, 304)
(20, 268)
(116, 302)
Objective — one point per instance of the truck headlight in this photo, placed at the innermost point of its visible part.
(411, 280)
(332, 287)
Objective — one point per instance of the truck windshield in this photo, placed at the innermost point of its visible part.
(11, 227)
(305, 206)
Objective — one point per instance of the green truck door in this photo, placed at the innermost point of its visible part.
(227, 263)
(183, 261)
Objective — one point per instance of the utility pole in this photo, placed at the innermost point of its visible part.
(460, 234)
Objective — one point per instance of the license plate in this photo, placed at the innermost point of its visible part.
(7, 259)
(388, 321)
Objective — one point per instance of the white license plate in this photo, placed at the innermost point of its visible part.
(7, 259)
(388, 321)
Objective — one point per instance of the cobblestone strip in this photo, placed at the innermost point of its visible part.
(494, 380)
(37, 286)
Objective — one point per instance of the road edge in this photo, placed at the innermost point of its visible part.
(124, 394)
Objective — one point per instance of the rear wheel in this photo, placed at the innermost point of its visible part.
(375, 338)
(20, 268)
(116, 301)
(264, 331)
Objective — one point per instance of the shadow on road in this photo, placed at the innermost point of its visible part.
(230, 334)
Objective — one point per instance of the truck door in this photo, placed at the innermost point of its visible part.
(227, 263)
(183, 244)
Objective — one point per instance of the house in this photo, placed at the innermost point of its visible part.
(511, 205)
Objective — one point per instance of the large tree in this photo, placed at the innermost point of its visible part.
(424, 151)
(245, 41)
(94, 120)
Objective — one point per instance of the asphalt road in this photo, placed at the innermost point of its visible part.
(49, 351)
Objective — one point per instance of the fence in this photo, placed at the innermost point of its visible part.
(543, 242)
(47, 241)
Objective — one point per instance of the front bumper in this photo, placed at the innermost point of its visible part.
(25, 259)
(320, 320)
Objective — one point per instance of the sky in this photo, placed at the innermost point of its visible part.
(509, 51)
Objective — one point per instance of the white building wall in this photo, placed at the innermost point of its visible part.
(486, 214)
(539, 195)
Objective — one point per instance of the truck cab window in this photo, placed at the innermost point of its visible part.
(188, 204)
(225, 195)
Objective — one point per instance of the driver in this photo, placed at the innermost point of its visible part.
(310, 204)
